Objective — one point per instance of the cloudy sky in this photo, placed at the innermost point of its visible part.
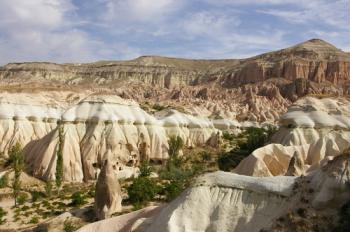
(90, 30)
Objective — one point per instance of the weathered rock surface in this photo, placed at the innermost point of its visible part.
(256, 89)
(95, 128)
(224, 201)
(316, 128)
(296, 165)
(108, 194)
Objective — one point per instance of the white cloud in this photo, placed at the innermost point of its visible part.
(139, 10)
(211, 24)
(59, 31)
(39, 14)
(45, 30)
(332, 13)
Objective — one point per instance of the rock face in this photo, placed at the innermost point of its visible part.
(314, 60)
(108, 194)
(224, 201)
(317, 129)
(97, 128)
(296, 165)
(255, 89)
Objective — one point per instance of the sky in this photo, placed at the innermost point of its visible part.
(89, 30)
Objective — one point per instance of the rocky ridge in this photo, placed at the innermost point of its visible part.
(259, 88)
(316, 128)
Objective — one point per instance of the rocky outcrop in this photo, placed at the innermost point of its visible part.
(316, 128)
(108, 194)
(296, 165)
(224, 201)
(95, 128)
(314, 60)
(256, 89)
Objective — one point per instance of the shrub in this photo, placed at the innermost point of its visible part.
(48, 188)
(59, 160)
(206, 156)
(145, 169)
(16, 160)
(34, 220)
(77, 199)
(4, 181)
(68, 226)
(175, 145)
(231, 159)
(173, 189)
(253, 138)
(2, 215)
(228, 136)
(22, 198)
(25, 208)
(158, 107)
(36, 195)
(141, 191)
(91, 193)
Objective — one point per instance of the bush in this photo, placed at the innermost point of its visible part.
(48, 188)
(256, 138)
(158, 107)
(231, 159)
(227, 136)
(4, 181)
(142, 190)
(173, 189)
(77, 199)
(252, 139)
(22, 198)
(16, 161)
(145, 169)
(175, 145)
(2, 215)
(34, 220)
(206, 156)
(91, 193)
(68, 226)
(37, 195)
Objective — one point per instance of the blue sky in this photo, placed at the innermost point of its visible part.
(89, 30)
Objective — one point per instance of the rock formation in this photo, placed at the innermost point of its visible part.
(296, 165)
(194, 98)
(259, 88)
(108, 195)
(224, 201)
(105, 126)
(315, 128)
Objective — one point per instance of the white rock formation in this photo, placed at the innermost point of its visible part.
(26, 117)
(316, 128)
(228, 202)
(94, 129)
(108, 197)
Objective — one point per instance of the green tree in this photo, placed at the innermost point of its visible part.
(4, 180)
(142, 190)
(2, 215)
(78, 199)
(48, 188)
(17, 163)
(145, 169)
(175, 145)
(252, 139)
(59, 162)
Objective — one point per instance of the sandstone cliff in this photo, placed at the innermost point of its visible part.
(97, 128)
(259, 88)
(317, 129)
